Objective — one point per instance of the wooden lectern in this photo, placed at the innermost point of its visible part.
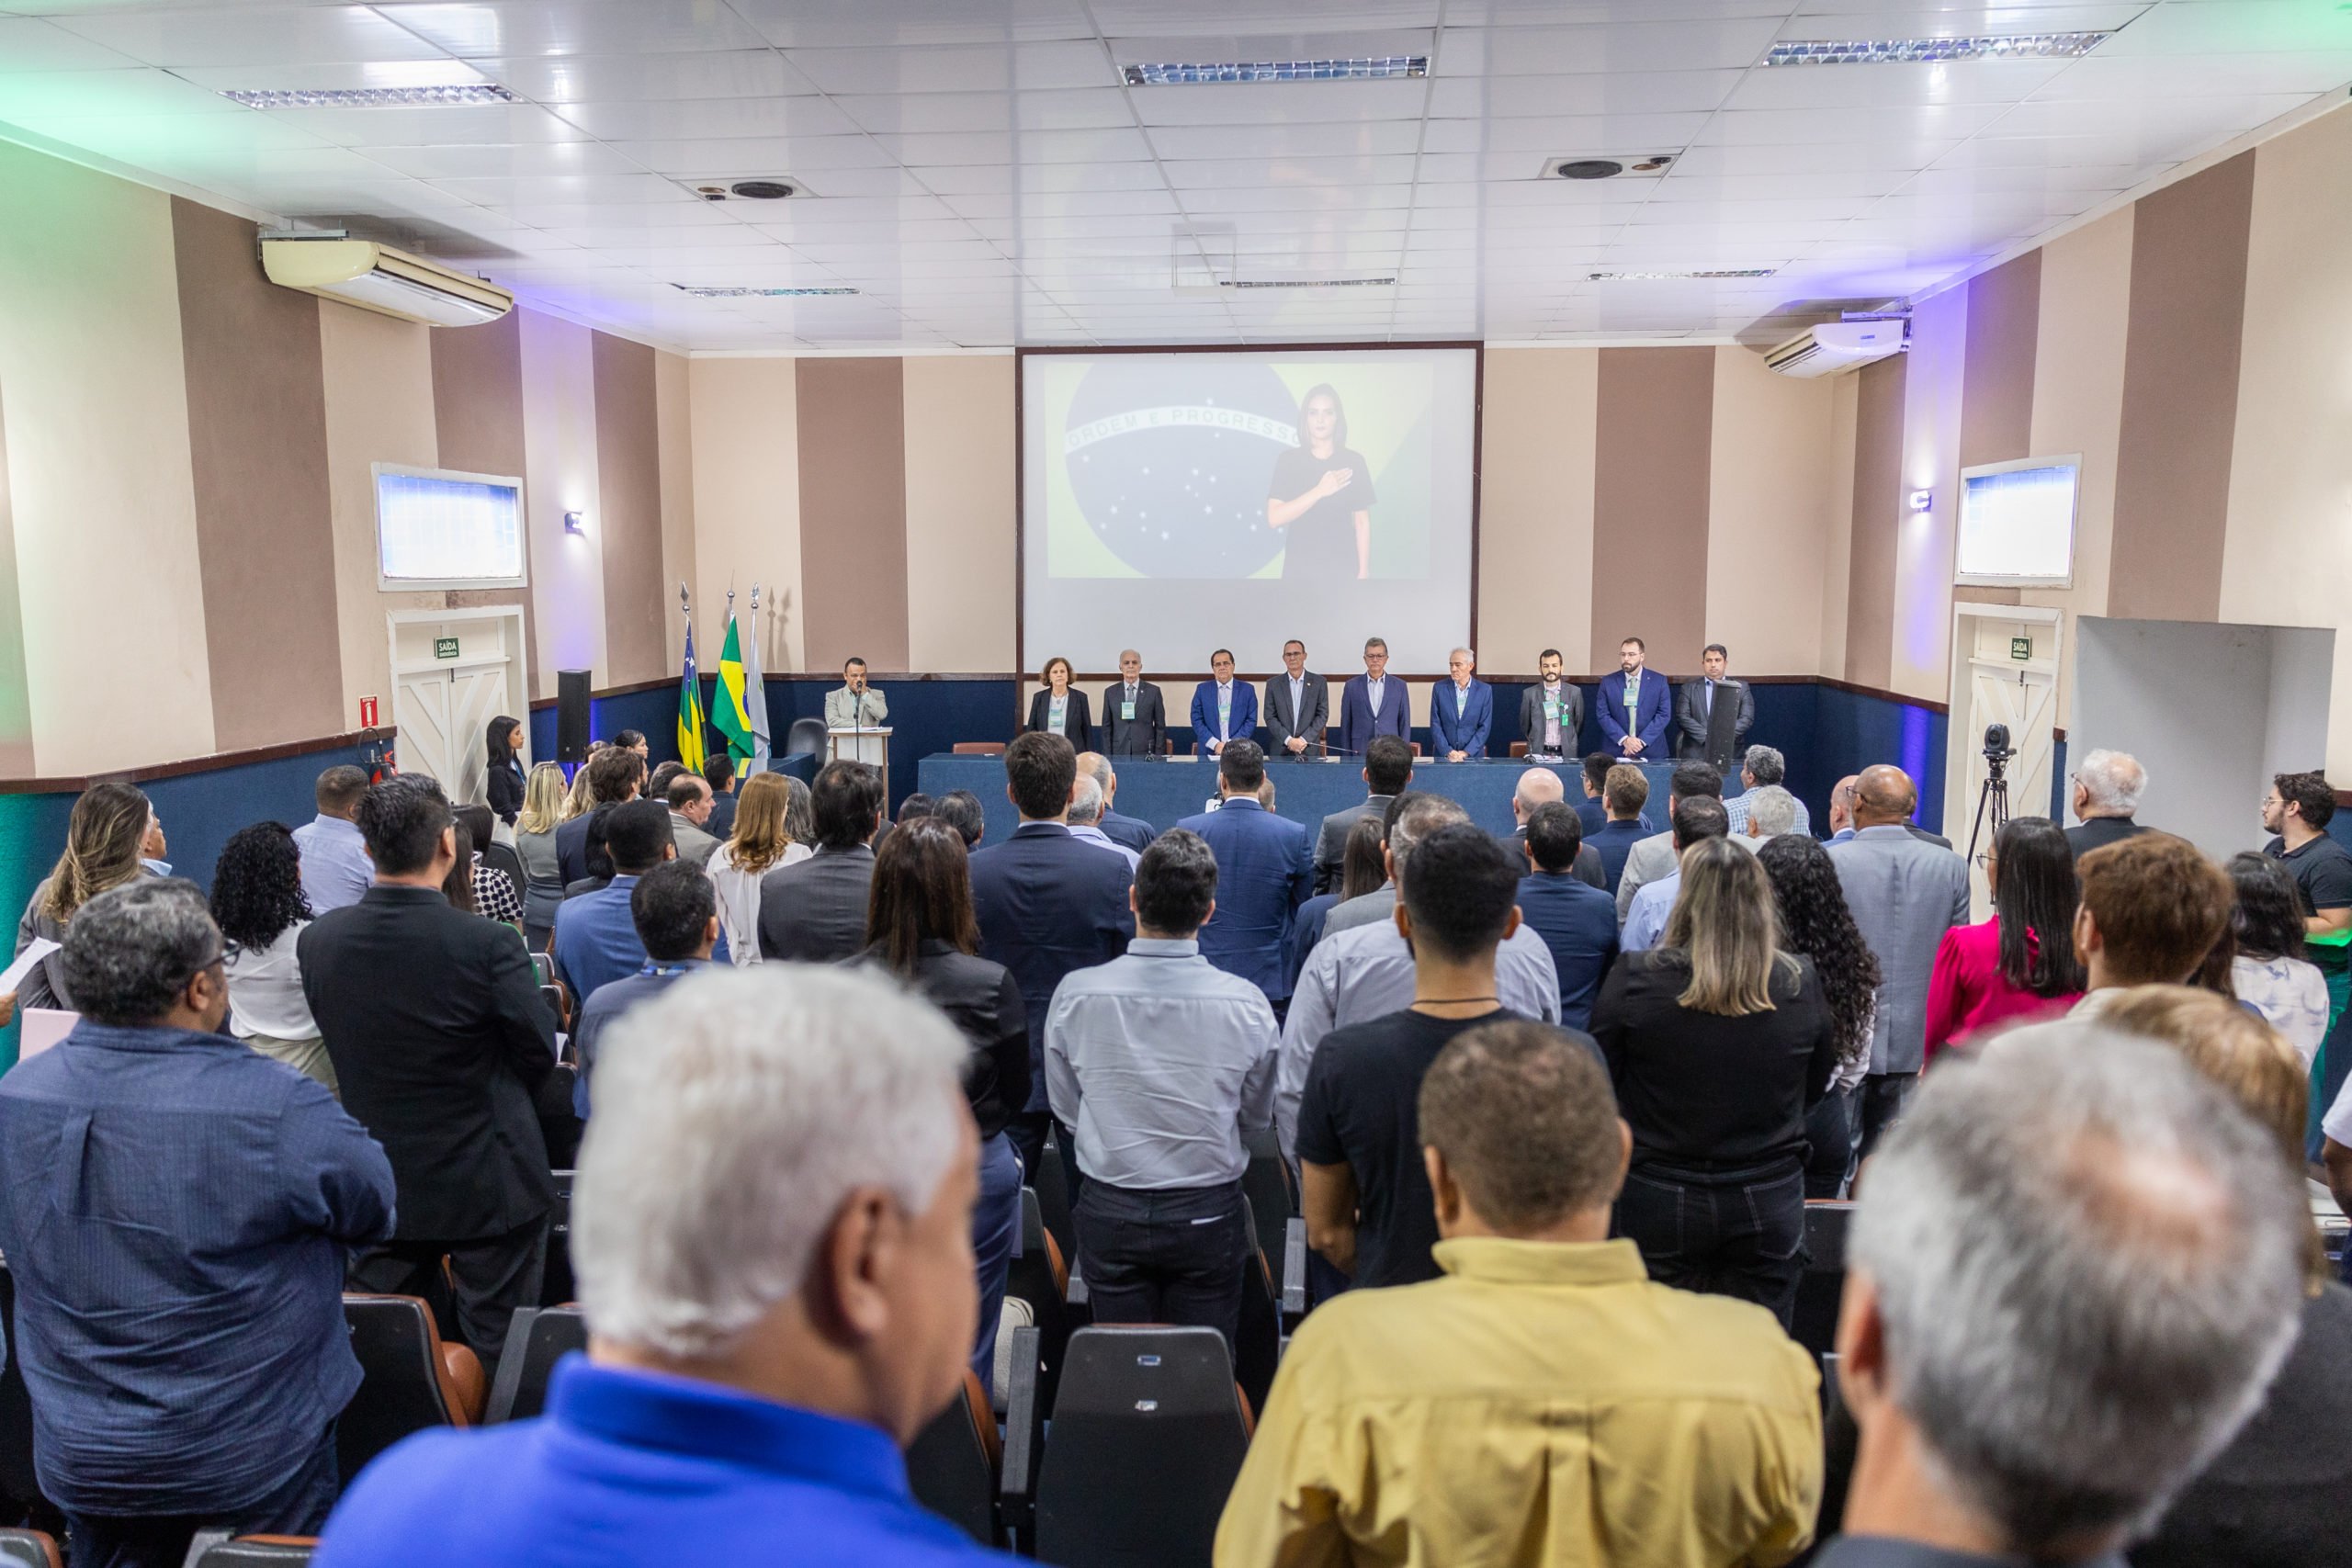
(869, 744)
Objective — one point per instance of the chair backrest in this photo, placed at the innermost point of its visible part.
(17, 1476)
(407, 1381)
(952, 1465)
(1819, 1289)
(258, 1551)
(556, 1286)
(1052, 1184)
(1266, 1180)
(28, 1549)
(1040, 1278)
(805, 734)
(1842, 1442)
(1149, 1432)
(535, 1341)
(1258, 1344)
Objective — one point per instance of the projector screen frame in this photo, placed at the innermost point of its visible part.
(1020, 356)
(521, 578)
(2016, 465)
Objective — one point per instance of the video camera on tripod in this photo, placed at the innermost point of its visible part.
(1995, 793)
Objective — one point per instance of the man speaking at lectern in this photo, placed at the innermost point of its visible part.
(852, 704)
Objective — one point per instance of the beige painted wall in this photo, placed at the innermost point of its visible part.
(961, 508)
(99, 472)
(1837, 530)
(1921, 663)
(747, 497)
(1768, 517)
(675, 443)
(1539, 420)
(559, 446)
(2287, 558)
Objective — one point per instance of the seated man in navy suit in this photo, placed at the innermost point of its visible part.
(1047, 902)
(1222, 708)
(1461, 710)
(1635, 707)
(1371, 705)
(1263, 873)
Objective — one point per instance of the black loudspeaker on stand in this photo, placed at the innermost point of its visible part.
(571, 716)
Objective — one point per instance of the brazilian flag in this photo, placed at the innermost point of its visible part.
(690, 748)
(727, 715)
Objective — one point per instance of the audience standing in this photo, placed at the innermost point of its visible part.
(258, 903)
(1763, 768)
(1719, 1042)
(1655, 857)
(103, 837)
(689, 799)
(1085, 820)
(2271, 970)
(174, 1210)
(1430, 1425)
(2152, 906)
(535, 831)
(814, 912)
(1841, 808)
(335, 871)
(1362, 870)
(961, 810)
(1905, 894)
(1263, 872)
(595, 934)
(2299, 808)
(2075, 1268)
(1133, 832)
(1387, 774)
(1364, 1186)
(1816, 924)
(494, 875)
(505, 785)
(1696, 820)
(1542, 786)
(675, 911)
(760, 844)
(774, 1250)
(1626, 824)
(2020, 963)
(2107, 788)
(1047, 904)
(440, 1041)
(1160, 1061)
(1574, 919)
(613, 776)
(718, 772)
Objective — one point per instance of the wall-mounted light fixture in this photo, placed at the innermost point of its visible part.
(1923, 501)
(575, 522)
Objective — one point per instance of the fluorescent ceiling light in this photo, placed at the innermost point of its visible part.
(1310, 282)
(1369, 68)
(474, 94)
(1935, 50)
(1657, 277)
(700, 293)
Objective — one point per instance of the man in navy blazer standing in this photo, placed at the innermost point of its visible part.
(1048, 904)
(1263, 875)
(1461, 711)
(1222, 708)
(1373, 705)
(1635, 707)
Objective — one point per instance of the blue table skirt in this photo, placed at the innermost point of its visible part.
(1165, 792)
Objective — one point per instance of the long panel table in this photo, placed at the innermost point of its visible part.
(1164, 792)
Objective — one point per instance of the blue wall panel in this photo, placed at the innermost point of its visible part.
(1851, 731)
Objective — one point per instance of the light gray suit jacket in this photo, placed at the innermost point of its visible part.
(1649, 859)
(1905, 893)
(841, 713)
(694, 844)
(1530, 716)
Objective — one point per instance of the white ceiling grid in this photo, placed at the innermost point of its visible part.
(983, 176)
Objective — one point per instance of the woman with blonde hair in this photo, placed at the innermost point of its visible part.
(765, 840)
(105, 841)
(1719, 1041)
(543, 811)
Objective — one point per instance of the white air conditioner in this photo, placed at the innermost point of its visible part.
(1833, 346)
(380, 279)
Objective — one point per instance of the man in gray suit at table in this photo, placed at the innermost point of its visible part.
(1550, 711)
(1905, 893)
(1297, 708)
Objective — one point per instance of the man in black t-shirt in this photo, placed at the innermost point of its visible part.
(1366, 1192)
(2298, 809)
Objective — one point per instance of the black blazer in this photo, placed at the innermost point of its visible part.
(506, 792)
(571, 848)
(813, 911)
(1142, 737)
(981, 999)
(1077, 725)
(1310, 722)
(439, 1040)
(1048, 904)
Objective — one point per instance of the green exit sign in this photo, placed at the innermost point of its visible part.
(2020, 648)
(447, 648)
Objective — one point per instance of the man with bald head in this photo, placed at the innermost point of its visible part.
(1905, 893)
(1538, 787)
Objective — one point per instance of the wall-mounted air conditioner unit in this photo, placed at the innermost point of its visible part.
(1838, 345)
(380, 279)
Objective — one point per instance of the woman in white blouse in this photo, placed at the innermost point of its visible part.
(2270, 974)
(1060, 709)
(773, 829)
(257, 902)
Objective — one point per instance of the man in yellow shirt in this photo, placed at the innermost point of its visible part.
(1545, 1402)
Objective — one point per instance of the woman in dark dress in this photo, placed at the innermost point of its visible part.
(1060, 699)
(1321, 496)
(506, 780)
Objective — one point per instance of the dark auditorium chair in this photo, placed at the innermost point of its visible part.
(28, 1549)
(953, 1463)
(411, 1379)
(1051, 1180)
(1149, 1432)
(1040, 1277)
(806, 735)
(1519, 748)
(535, 1341)
(1266, 1183)
(17, 1476)
(1840, 1441)
(1814, 1326)
(252, 1551)
(1258, 1345)
(979, 748)
(556, 1286)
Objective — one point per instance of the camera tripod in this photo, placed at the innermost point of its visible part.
(1993, 795)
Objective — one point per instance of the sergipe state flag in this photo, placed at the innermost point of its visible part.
(727, 715)
(690, 747)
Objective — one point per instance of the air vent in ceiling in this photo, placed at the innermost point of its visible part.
(774, 188)
(1589, 166)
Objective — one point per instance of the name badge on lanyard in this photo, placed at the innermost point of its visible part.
(1127, 711)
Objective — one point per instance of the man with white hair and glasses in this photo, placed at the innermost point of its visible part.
(2106, 786)
(2076, 1267)
(772, 1241)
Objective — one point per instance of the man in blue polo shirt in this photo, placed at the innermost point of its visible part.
(595, 934)
(773, 1249)
(676, 910)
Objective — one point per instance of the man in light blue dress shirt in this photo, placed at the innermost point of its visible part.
(336, 872)
(1695, 818)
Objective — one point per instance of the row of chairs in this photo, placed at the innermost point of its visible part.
(211, 1549)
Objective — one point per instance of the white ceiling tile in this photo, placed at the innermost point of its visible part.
(630, 78)
(514, 160)
(1069, 109)
(101, 94)
(1560, 135)
(29, 43)
(1893, 85)
(1644, 92)
(1280, 103)
(1818, 127)
(1813, 158)
(1734, 44)
(1220, 47)
(2145, 79)
(691, 118)
(1058, 178)
(1106, 146)
(493, 124)
(497, 29)
(1946, 18)
(804, 24)
(1358, 138)
(2206, 120)
(2196, 27)
(1243, 173)
(585, 188)
(985, 68)
(291, 35)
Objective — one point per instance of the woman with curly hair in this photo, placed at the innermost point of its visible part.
(105, 840)
(1816, 921)
(258, 903)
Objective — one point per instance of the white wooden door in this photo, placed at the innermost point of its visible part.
(443, 704)
(2022, 694)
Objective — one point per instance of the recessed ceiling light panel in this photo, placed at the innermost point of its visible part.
(697, 292)
(1935, 50)
(472, 94)
(1719, 272)
(1311, 282)
(1365, 68)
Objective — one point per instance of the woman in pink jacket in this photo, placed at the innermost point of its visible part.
(2020, 964)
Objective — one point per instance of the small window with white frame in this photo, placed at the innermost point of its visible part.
(436, 529)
